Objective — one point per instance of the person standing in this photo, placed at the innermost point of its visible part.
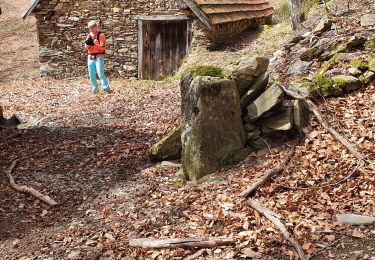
(95, 45)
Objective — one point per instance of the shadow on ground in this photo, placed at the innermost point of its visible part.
(77, 166)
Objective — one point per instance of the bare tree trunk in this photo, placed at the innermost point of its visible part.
(296, 15)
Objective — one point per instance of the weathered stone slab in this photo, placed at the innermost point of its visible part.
(323, 26)
(265, 102)
(354, 71)
(253, 135)
(368, 20)
(212, 129)
(255, 90)
(348, 83)
(298, 67)
(280, 121)
(301, 114)
(168, 148)
(310, 54)
(246, 69)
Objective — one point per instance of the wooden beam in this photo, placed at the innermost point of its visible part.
(160, 17)
(187, 243)
(140, 48)
(199, 13)
(30, 8)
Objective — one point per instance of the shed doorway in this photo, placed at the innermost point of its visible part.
(163, 42)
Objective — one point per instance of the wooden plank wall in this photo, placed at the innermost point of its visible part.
(164, 45)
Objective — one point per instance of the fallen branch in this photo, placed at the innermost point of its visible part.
(313, 108)
(272, 217)
(347, 177)
(24, 188)
(186, 243)
(268, 174)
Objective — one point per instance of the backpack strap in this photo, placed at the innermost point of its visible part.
(98, 36)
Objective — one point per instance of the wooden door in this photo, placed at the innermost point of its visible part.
(163, 45)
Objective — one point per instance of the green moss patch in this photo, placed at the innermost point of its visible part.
(371, 62)
(359, 64)
(337, 57)
(206, 70)
(370, 45)
(326, 86)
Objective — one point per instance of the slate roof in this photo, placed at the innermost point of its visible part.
(224, 11)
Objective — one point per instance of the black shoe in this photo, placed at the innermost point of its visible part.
(107, 91)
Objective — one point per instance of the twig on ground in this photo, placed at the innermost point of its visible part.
(24, 188)
(268, 174)
(347, 177)
(272, 217)
(313, 108)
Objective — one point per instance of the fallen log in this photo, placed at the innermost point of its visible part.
(186, 243)
(313, 108)
(276, 221)
(24, 188)
(268, 174)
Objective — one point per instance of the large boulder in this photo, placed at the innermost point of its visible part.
(245, 69)
(212, 130)
(168, 147)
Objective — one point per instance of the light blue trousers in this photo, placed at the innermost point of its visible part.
(97, 67)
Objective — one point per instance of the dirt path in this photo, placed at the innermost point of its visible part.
(19, 44)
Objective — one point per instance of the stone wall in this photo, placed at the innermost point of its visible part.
(62, 30)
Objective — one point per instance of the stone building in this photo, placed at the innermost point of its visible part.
(145, 39)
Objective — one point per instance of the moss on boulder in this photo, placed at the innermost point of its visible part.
(326, 86)
(206, 70)
(347, 83)
(371, 62)
(370, 45)
(359, 64)
(335, 58)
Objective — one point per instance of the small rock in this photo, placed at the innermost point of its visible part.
(93, 255)
(15, 242)
(354, 71)
(348, 83)
(90, 242)
(44, 213)
(333, 72)
(74, 255)
(368, 76)
(253, 135)
(368, 20)
(310, 53)
(168, 164)
(110, 237)
(355, 41)
(323, 26)
(298, 67)
(355, 219)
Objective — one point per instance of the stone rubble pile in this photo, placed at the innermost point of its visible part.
(224, 113)
(266, 112)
